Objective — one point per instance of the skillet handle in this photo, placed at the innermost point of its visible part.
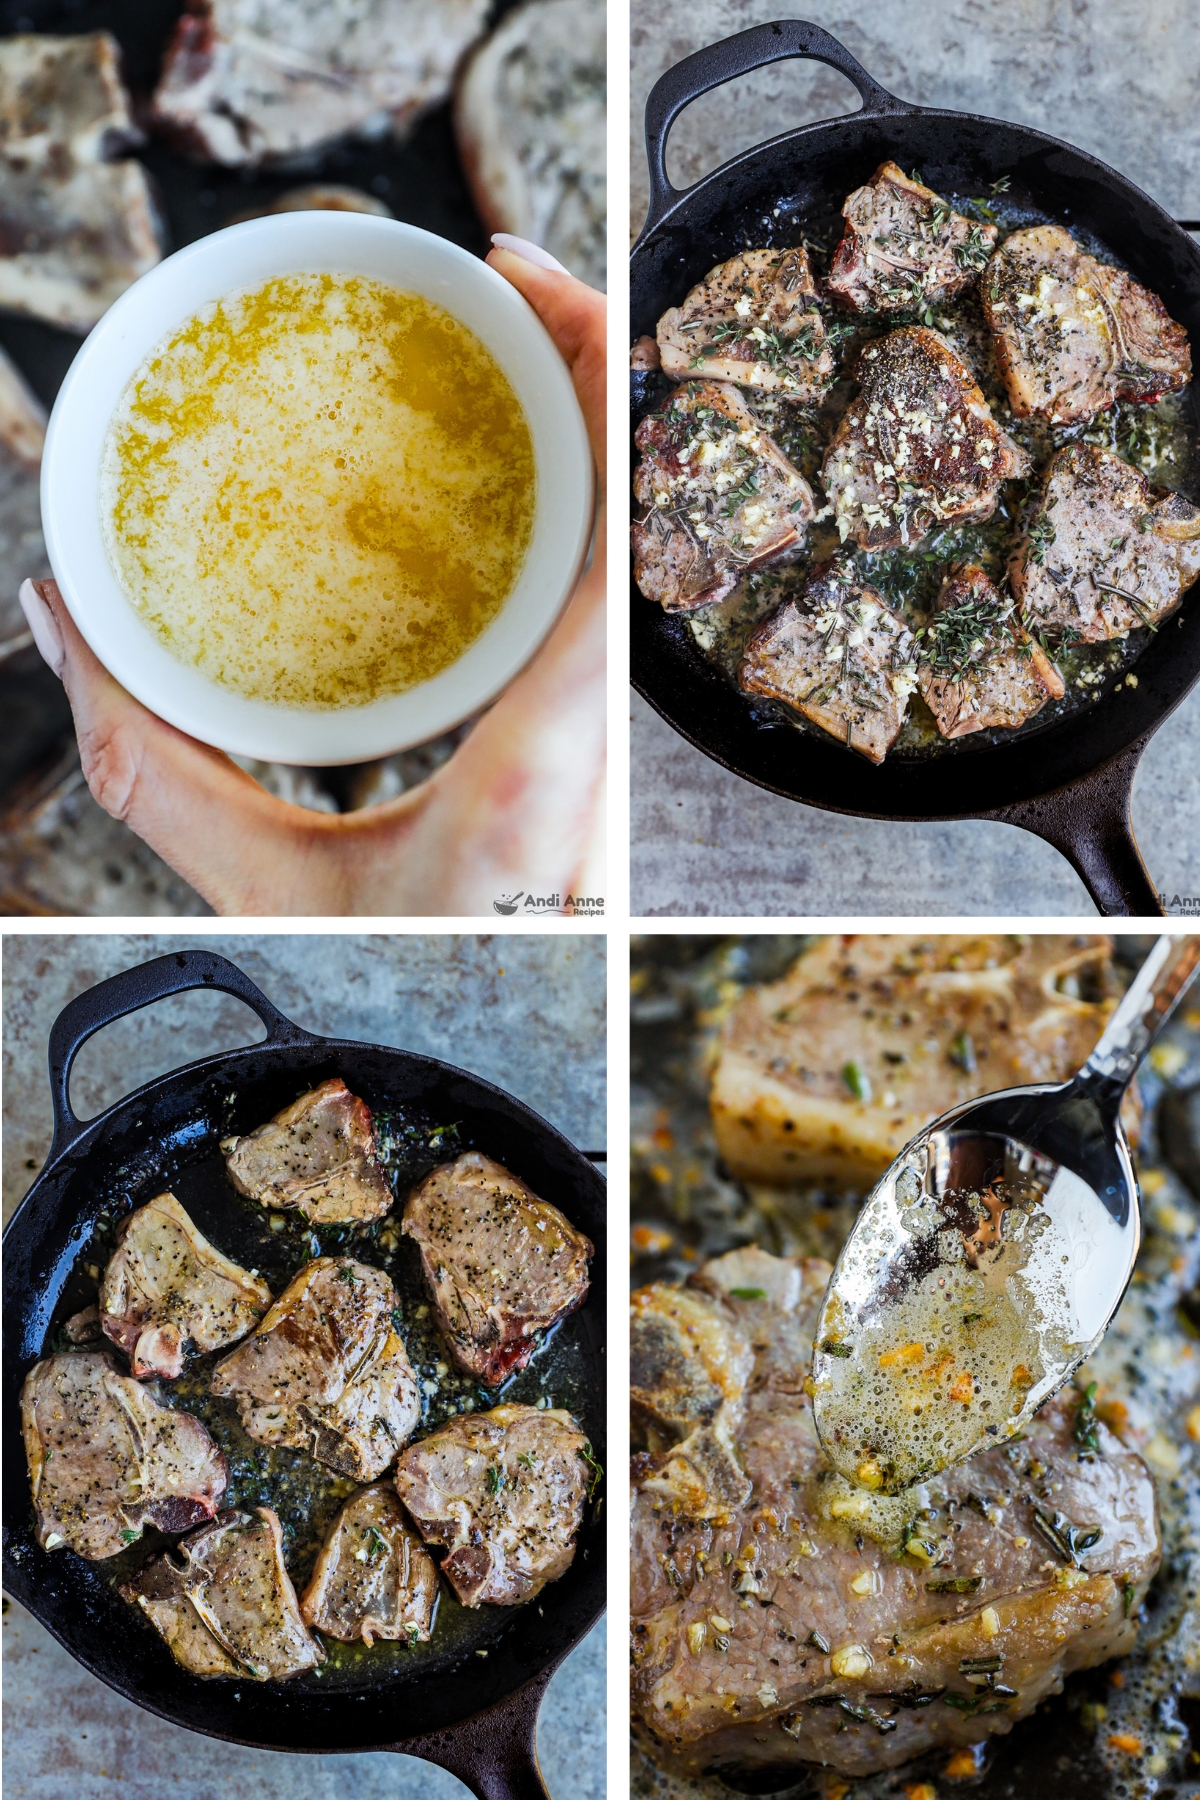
(128, 992)
(733, 56)
(494, 1753)
(1089, 823)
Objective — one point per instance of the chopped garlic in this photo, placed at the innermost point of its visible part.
(989, 1622)
(851, 1662)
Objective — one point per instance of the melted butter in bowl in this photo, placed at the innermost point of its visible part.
(319, 491)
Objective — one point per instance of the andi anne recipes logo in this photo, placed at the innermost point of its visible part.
(575, 906)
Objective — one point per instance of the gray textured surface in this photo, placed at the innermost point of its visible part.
(1118, 77)
(525, 1012)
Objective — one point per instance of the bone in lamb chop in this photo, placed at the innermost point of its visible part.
(1104, 551)
(1073, 334)
(247, 83)
(820, 1625)
(904, 248)
(719, 498)
(979, 667)
(76, 227)
(502, 1265)
(918, 448)
(918, 1024)
(374, 1577)
(318, 1157)
(503, 1491)
(326, 1371)
(836, 653)
(165, 1283)
(106, 1459)
(753, 320)
(224, 1601)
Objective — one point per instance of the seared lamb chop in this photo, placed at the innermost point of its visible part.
(904, 247)
(248, 82)
(839, 656)
(326, 1371)
(822, 1625)
(106, 1459)
(919, 448)
(76, 229)
(753, 320)
(1072, 334)
(1105, 552)
(502, 1265)
(374, 1577)
(165, 1284)
(979, 666)
(317, 1157)
(227, 1605)
(688, 1369)
(718, 496)
(503, 1491)
(827, 1074)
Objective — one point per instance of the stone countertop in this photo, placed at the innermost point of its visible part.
(1117, 77)
(524, 1012)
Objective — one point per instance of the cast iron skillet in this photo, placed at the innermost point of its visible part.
(476, 1719)
(1069, 782)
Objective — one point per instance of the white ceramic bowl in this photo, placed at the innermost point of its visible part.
(243, 256)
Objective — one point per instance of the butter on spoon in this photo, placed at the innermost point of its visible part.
(988, 1262)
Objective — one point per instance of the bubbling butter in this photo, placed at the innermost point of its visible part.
(318, 491)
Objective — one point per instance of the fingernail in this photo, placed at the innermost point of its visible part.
(43, 625)
(532, 253)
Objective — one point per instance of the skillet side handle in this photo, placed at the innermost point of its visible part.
(494, 1753)
(1089, 823)
(725, 61)
(128, 992)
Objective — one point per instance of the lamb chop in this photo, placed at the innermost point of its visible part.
(224, 1601)
(503, 1491)
(1073, 334)
(502, 1265)
(719, 498)
(165, 1284)
(824, 1625)
(904, 248)
(979, 667)
(1104, 552)
(688, 1370)
(753, 320)
(826, 1074)
(840, 656)
(247, 83)
(918, 448)
(318, 1157)
(76, 228)
(374, 1577)
(326, 1371)
(106, 1459)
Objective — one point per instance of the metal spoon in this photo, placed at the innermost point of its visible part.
(989, 1261)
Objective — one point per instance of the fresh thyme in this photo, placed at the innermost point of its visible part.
(1041, 534)
(595, 1472)
(495, 1480)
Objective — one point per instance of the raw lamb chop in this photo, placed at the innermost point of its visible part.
(165, 1284)
(76, 229)
(502, 1265)
(503, 1491)
(979, 667)
(904, 247)
(106, 1459)
(1073, 334)
(374, 1577)
(719, 498)
(317, 1157)
(227, 1605)
(919, 448)
(826, 1074)
(250, 82)
(1105, 552)
(822, 1625)
(753, 320)
(839, 656)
